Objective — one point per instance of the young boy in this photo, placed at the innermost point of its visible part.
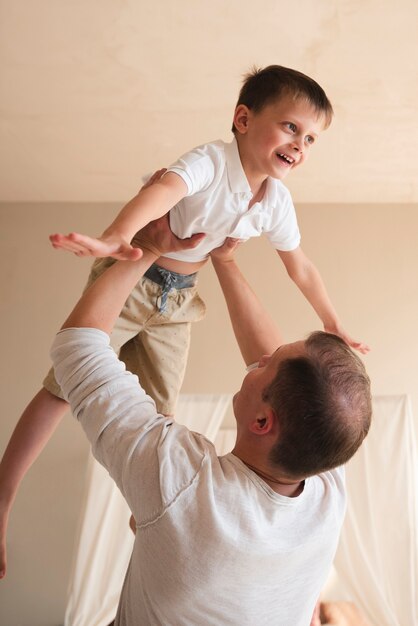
(221, 190)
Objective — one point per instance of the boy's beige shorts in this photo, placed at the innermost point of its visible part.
(153, 345)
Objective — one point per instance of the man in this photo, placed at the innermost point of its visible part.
(247, 538)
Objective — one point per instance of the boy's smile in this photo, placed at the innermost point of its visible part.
(276, 139)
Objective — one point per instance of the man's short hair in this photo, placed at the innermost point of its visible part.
(323, 404)
(264, 86)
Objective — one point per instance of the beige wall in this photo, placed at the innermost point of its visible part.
(368, 257)
(97, 93)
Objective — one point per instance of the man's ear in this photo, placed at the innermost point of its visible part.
(241, 117)
(265, 422)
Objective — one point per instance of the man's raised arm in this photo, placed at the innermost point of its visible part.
(255, 331)
(101, 304)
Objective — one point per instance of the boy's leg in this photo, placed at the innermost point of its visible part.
(159, 358)
(33, 430)
(154, 344)
(162, 347)
(36, 425)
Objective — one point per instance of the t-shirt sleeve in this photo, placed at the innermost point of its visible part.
(151, 458)
(283, 230)
(197, 168)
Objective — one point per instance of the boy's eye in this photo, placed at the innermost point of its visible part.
(309, 139)
(291, 126)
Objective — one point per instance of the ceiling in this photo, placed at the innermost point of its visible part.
(97, 93)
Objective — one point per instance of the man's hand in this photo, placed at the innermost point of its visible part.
(339, 330)
(154, 178)
(225, 253)
(158, 238)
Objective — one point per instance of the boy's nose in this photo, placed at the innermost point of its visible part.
(297, 145)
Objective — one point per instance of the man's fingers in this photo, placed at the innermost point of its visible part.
(233, 243)
(157, 175)
(194, 240)
(133, 254)
(357, 345)
(363, 348)
(153, 179)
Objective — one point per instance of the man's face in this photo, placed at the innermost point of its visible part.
(280, 136)
(247, 402)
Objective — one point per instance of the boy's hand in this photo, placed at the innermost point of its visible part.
(82, 245)
(356, 345)
(225, 253)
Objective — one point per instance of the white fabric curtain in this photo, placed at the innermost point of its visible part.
(105, 542)
(377, 559)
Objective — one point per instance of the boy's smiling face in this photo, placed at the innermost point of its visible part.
(278, 138)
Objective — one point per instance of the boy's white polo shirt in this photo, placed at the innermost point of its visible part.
(217, 203)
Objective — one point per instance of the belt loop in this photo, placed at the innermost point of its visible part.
(168, 280)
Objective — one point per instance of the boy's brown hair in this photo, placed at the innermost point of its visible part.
(263, 86)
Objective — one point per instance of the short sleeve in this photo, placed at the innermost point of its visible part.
(197, 168)
(283, 230)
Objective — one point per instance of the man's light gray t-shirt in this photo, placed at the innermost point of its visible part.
(215, 545)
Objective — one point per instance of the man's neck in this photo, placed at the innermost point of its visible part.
(281, 485)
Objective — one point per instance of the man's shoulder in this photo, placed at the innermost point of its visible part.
(335, 481)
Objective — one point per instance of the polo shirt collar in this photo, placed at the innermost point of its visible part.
(236, 175)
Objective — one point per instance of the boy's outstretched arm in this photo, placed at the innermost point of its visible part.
(155, 199)
(306, 276)
(255, 331)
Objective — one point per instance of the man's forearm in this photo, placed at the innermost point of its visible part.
(101, 304)
(255, 331)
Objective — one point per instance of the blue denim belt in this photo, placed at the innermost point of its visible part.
(168, 280)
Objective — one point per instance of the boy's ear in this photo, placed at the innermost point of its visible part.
(241, 117)
(264, 423)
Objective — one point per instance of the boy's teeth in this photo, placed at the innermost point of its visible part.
(284, 156)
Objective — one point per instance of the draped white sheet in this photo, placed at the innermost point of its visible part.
(377, 559)
(105, 542)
